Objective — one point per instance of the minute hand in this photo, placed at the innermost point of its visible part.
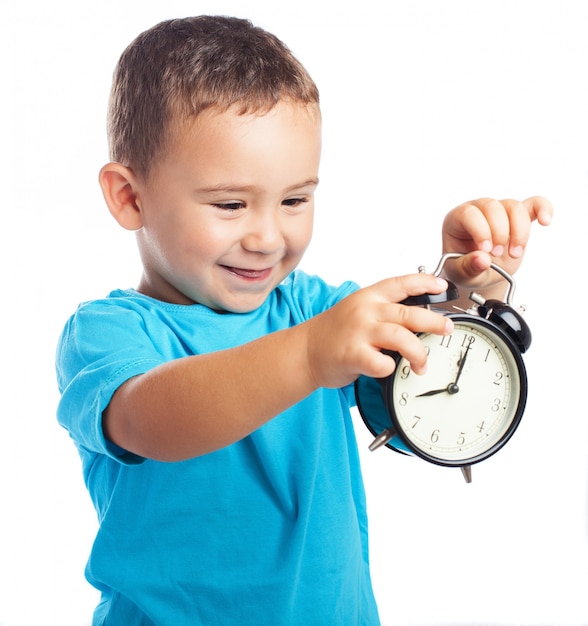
(453, 388)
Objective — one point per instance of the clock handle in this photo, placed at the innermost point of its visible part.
(500, 312)
(455, 255)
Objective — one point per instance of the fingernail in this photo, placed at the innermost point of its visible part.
(516, 251)
(486, 246)
(448, 326)
(498, 250)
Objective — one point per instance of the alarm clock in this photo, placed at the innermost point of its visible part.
(470, 401)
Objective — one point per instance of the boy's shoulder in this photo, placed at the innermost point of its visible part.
(312, 293)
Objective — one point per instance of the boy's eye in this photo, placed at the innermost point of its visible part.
(237, 205)
(294, 202)
(229, 206)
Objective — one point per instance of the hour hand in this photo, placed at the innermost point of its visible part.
(433, 392)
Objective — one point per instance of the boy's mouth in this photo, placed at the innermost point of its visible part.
(248, 273)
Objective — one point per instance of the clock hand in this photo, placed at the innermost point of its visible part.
(434, 392)
(453, 388)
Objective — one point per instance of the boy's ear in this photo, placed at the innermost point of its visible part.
(119, 187)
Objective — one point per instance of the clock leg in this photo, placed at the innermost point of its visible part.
(466, 470)
(382, 439)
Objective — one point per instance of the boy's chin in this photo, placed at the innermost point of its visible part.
(240, 307)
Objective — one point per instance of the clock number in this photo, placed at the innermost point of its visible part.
(499, 377)
(404, 372)
(435, 436)
(446, 340)
(417, 419)
(496, 405)
(461, 439)
(403, 399)
(481, 426)
(468, 340)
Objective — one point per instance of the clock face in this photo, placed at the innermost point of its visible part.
(470, 400)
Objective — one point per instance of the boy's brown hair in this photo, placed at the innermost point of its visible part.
(177, 69)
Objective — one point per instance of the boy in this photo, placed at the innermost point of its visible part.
(210, 405)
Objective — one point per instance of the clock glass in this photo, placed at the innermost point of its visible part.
(470, 400)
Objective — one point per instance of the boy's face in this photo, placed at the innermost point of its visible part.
(227, 211)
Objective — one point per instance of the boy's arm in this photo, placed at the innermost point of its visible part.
(198, 404)
(490, 231)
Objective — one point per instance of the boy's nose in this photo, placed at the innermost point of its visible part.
(264, 234)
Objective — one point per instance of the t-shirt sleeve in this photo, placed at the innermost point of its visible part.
(101, 347)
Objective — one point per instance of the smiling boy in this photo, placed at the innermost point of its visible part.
(206, 218)
(211, 404)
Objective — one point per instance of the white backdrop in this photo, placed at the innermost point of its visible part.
(426, 104)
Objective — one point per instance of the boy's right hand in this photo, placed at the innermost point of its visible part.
(347, 340)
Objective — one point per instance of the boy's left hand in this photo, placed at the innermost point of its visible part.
(490, 231)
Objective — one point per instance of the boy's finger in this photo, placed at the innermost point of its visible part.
(401, 287)
(539, 208)
(469, 266)
(519, 227)
(497, 217)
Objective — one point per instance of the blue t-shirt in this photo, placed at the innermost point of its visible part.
(270, 530)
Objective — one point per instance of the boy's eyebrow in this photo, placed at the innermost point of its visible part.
(230, 188)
